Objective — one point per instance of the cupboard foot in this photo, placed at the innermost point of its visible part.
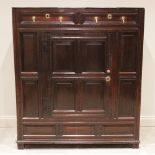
(135, 146)
(20, 146)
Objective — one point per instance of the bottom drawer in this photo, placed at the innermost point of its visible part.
(39, 132)
(77, 130)
(117, 130)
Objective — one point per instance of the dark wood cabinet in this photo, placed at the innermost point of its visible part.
(78, 75)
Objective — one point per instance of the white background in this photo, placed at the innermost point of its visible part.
(7, 82)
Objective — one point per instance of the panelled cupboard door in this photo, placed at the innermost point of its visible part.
(78, 74)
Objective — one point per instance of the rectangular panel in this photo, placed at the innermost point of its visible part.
(118, 130)
(127, 98)
(93, 95)
(94, 55)
(30, 98)
(29, 51)
(128, 52)
(44, 47)
(63, 95)
(63, 55)
(39, 130)
(78, 130)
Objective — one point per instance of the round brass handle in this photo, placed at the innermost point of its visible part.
(109, 16)
(47, 15)
(108, 78)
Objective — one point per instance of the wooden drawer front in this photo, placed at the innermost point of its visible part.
(110, 19)
(84, 19)
(47, 18)
(78, 130)
(121, 130)
(39, 130)
(80, 17)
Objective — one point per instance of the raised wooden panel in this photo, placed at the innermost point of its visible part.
(128, 52)
(63, 95)
(30, 98)
(78, 130)
(94, 55)
(44, 45)
(39, 130)
(93, 95)
(118, 130)
(127, 98)
(63, 55)
(29, 53)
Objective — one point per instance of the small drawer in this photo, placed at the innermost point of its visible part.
(47, 18)
(74, 18)
(110, 19)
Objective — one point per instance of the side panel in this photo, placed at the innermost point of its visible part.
(127, 72)
(127, 98)
(128, 48)
(30, 98)
(29, 52)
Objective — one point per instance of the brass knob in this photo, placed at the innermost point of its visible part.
(123, 19)
(96, 19)
(108, 70)
(47, 15)
(109, 16)
(108, 78)
(60, 19)
(33, 18)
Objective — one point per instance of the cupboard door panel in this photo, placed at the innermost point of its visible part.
(29, 51)
(63, 95)
(128, 50)
(30, 98)
(127, 98)
(63, 56)
(94, 55)
(93, 95)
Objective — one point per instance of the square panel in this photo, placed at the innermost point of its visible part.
(93, 55)
(93, 95)
(63, 95)
(63, 56)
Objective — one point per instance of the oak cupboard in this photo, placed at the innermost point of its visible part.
(78, 75)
